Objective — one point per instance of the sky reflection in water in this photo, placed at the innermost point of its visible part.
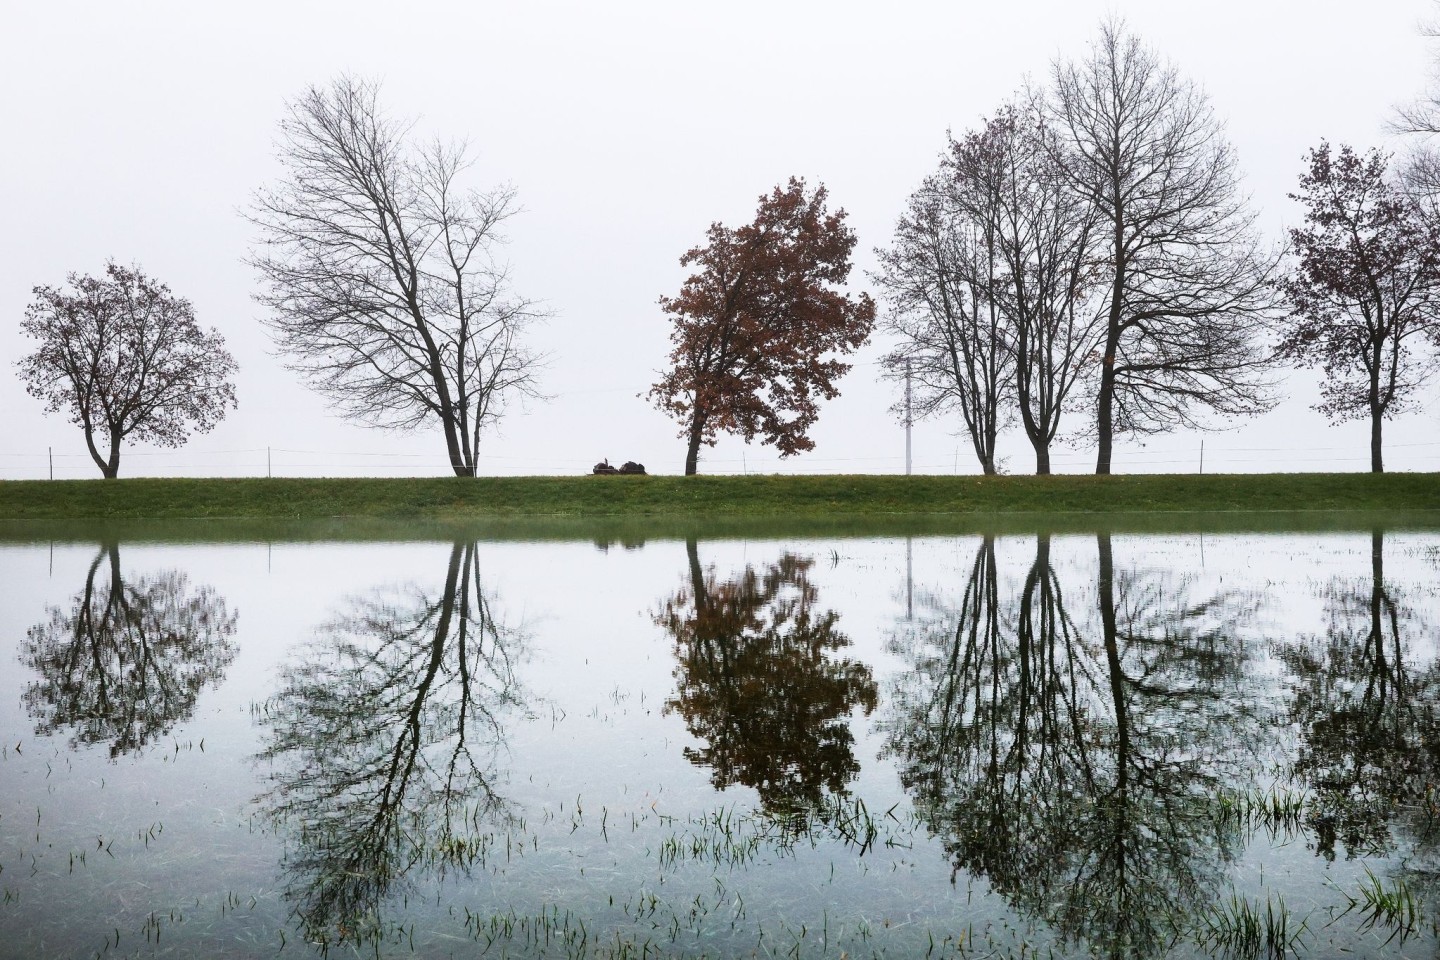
(1104, 744)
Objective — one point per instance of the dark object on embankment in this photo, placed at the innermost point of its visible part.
(628, 467)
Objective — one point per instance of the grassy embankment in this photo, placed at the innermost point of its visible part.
(789, 497)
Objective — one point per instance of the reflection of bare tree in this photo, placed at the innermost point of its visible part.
(1075, 764)
(127, 661)
(758, 683)
(1367, 713)
(385, 737)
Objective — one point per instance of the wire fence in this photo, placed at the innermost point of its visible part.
(300, 462)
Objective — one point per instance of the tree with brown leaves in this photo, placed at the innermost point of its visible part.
(123, 356)
(752, 325)
(1365, 289)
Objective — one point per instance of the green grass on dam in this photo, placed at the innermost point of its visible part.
(448, 498)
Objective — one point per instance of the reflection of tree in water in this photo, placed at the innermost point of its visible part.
(127, 661)
(1366, 709)
(1075, 762)
(758, 683)
(384, 738)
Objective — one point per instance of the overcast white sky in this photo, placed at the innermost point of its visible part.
(138, 131)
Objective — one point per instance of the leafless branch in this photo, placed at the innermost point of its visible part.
(381, 277)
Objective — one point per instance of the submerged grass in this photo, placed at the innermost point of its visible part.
(1239, 928)
(448, 498)
(1391, 906)
(1277, 811)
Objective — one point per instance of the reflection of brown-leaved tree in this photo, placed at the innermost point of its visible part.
(1075, 763)
(1370, 738)
(759, 686)
(384, 739)
(127, 661)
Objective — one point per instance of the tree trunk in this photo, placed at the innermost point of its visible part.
(117, 583)
(112, 467)
(462, 458)
(445, 404)
(983, 443)
(109, 466)
(1377, 576)
(1377, 409)
(453, 445)
(459, 462)
(1105, 402)
(1037, 430)
(697, 577)
(1104, 425)
(1377, 461)
(1111, 634)
(692, 452)
(1042, 457)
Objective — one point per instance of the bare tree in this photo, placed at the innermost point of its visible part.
(990, 281)
(1422, 115)
(387, 743)
(123, 356)
(1046, 237)
(1419, 120)
(939, 276)
(1076, 762)
(380, 274)
(1189, 285)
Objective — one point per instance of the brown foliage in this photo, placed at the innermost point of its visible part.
(761, 685)
(752, 323)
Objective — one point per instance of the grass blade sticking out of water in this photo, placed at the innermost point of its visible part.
(1238, 928)
(732, 839)
(1393, 907)
(848, 818)
(1281, 813)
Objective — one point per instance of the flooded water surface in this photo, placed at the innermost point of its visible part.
(1072, 744)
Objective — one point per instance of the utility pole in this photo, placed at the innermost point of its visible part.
(51, 451)
(908, 418)
(1202, 455)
